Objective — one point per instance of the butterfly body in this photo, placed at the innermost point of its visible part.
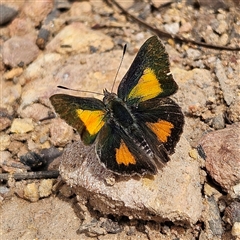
(136, 129)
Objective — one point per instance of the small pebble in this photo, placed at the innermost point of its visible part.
(37, 11)
(20, 125)
(15, 72)
(5, 141)
(66, 191)
(222, 27)
(4, 123)
(15, 147)
(36, 111)
(236, 189)
(5, 157)
(218, 122)
(61, 133)
(232, 213)
(236, 229)
(31, 193)
(45, 188)
(4, 190)
(211, 191)
(80, 8)
(223, 40)
(193, 53)
(193, 154)
(214, 218)
(9, 96)
(19, 51)
(228, 92)
(186, 27)
(172, 28)
(21, 26)
(7, 14)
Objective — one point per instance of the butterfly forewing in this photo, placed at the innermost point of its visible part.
(149, 75)
(86, 115)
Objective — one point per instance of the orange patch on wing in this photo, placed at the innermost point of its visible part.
(123, 155)
(162, 129)
(93, 120)
(147, 87)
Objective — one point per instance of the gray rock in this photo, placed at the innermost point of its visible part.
(232, 213)
(228, 92)
(218, 122)
(7, 14)
(214, 223)
(4, 190)
(193, 53)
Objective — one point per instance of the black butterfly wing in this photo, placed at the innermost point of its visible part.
(149, 75)
(86, 115)
(162, 122)
(120, 154)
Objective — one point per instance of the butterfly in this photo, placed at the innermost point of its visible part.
(135, 130)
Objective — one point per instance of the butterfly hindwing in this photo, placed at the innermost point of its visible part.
(120, 154)
(161, 118)
(149, 75)
(86, 115)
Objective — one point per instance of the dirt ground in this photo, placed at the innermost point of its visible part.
(79, 44)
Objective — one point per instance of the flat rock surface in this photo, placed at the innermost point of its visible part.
(172, 195)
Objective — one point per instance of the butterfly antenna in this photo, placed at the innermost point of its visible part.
(124, 51)
(76, 90)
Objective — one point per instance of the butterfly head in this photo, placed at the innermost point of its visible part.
(108, 96)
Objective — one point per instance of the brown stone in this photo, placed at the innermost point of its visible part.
(223, 155)
(4, 123)
(61, 133)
